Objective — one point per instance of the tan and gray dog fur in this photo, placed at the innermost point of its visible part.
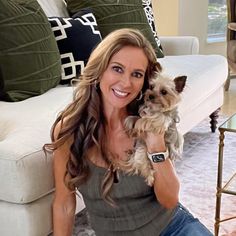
(158, 114)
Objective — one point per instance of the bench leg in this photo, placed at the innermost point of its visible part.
(214, 116)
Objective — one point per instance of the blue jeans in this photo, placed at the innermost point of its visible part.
(184, 224)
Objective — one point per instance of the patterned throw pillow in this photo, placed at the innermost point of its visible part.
(113, 14)
(76, 38)
(29, 57)
(147, 7)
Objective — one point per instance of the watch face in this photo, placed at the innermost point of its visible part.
(158, 157)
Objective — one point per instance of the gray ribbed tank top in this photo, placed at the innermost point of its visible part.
(138, 212)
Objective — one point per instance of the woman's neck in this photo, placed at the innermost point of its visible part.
(115, 119)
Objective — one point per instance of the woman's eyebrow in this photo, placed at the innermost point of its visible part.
(118, 63)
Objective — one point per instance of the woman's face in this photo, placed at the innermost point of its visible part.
(123, 78)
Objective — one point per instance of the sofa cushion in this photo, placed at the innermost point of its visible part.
(29, 58)
(113, 14)
(25, 172)
(76, 38)
(33, 219)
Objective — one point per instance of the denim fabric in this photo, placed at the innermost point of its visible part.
(184, 224)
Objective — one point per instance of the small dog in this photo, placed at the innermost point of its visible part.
(158, 114)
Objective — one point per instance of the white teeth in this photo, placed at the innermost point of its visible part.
(119, 93)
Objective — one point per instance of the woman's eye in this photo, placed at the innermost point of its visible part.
(138, 74)
(117, 69)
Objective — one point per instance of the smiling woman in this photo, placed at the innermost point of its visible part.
(89, 141)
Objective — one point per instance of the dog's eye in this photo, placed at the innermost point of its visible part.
(151, 86)
(163, 92)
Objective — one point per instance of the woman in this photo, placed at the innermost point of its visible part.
(89, 140)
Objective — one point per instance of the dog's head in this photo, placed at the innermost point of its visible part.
(163, 95)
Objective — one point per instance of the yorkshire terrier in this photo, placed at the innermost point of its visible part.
(158, 114)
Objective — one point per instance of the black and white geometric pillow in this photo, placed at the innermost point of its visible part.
(147, 7)
(76, 38)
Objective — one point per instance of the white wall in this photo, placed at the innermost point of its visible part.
(186, 17)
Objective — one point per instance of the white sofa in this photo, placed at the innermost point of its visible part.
(26, 178)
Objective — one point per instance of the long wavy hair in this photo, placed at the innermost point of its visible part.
(83, 119)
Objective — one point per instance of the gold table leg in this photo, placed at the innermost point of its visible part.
(219, 182)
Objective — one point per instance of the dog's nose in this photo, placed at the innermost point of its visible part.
(151, 97)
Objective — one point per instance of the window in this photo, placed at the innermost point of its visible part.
(217, 20)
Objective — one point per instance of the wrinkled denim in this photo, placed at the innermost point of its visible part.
(184, 224)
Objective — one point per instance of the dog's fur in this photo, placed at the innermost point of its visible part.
(158, 114)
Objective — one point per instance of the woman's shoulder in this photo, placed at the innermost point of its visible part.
(60, 136)
(57, 129)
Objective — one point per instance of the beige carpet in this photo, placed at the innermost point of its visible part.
(198, 173)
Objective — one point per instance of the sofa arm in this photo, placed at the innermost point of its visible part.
(179, 45)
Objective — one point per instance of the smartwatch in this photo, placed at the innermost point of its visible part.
(158, 156)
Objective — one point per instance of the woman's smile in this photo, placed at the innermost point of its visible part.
(120, 94)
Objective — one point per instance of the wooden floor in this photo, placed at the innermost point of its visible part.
(229, 107)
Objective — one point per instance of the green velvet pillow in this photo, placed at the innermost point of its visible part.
(29, 57)
(113, 14)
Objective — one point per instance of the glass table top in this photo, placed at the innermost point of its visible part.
(229, 124)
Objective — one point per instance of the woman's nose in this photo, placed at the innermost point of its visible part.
(126, 80)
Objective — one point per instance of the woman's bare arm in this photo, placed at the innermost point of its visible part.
(166, 184)
(65, 200)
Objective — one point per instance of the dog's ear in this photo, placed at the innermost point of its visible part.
(158, 67)
(180, 82)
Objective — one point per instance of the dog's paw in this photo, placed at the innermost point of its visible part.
(150, 177)
(129, 124)
(150, 180)
(130, 121)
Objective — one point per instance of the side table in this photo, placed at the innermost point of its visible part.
(230, 186)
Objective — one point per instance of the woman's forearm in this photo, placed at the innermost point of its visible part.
(166, 184)
(63, 220)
